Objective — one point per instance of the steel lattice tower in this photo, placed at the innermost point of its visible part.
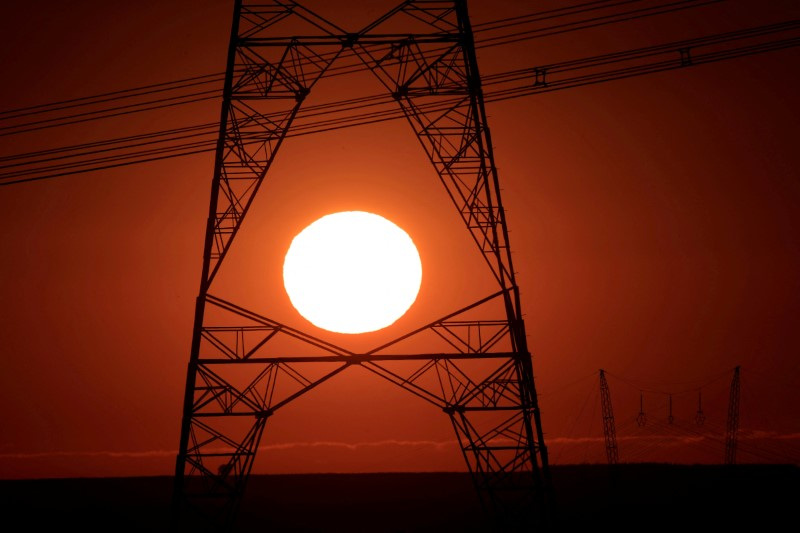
(732, 428)
(481, 376)
(609, 428)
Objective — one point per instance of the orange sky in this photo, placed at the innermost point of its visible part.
(653, 223)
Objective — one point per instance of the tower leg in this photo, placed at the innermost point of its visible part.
(732, 430)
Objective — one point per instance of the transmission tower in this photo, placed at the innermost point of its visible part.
(641, 417)
(479, 372)
(609, 428)
(731, 434)
(700, 417)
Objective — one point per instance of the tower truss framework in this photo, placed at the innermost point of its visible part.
(609, 427)
(732, 426)
(479, 372)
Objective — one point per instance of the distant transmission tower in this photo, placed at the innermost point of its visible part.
(478, 369)
(731, 434)
(609, 428)
(641, 418)
(700, 417)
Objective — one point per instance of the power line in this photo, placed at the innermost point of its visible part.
(502, 86)
(114, 95)
(348, 68)
(98, 145)
(687, 386)
(118, 111)
(548, 14)
(596, 22)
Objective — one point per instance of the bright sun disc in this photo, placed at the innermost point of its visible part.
(352, 272)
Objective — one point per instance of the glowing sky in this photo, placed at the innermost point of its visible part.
(653, 223)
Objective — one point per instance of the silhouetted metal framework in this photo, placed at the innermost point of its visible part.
(479, 372)
(641, 417)
(700, 417)
(609, 428)
(732, 430)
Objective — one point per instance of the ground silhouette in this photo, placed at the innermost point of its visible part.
(637, 497)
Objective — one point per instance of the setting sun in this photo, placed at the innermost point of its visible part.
(352, 272)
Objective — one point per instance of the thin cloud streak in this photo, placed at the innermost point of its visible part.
(438, 445)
